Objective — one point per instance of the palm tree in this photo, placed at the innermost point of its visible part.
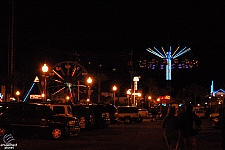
(152, 85)
(99, 78)
(182, 96)
(18, 80)
(153, 88)
(118, 84)
(195, 91)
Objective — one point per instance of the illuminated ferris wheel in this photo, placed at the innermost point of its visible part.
(65, 80)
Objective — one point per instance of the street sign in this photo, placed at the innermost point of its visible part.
(35, 97)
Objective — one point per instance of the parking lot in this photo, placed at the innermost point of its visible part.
(137, 136)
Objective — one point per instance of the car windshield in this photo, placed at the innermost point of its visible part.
(45, 110)
(142, 110)
(59, 109)
(79, 111)
(153, 112)
(127, 110)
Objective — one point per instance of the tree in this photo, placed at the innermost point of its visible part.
(196, 91)
(118, 84)
(18, 80)
(183, 96)
(99, 78)
(153, 89)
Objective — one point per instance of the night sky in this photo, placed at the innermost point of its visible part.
(105, 32)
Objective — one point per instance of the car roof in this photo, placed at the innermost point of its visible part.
(126, 107)
(142, 109)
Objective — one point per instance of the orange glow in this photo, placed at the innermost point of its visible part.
(165, 97)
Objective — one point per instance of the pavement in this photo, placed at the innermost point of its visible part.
(209, 138)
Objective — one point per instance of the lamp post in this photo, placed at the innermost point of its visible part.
(89, 81)
(128, 96)
(18, 95)
(149, 101)
(45, 70)
(135, 79)
(139, 98)
(114, 90)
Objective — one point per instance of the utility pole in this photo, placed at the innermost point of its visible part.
(11, 46)
(131, 72)
(131, 69)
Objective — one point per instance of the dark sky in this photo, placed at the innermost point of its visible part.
(105, 32)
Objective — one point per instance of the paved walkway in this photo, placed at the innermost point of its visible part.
(209, 138)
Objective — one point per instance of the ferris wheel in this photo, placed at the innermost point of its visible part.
(64, 80)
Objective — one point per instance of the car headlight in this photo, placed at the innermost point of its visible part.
(71, 123)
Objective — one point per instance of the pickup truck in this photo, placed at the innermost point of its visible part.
(35, 119)
(128, 114)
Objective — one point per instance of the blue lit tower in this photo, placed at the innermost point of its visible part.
(168, 57)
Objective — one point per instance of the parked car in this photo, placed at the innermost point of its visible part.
(200, 113)
(23, 118)
(66, 110)
(143, 113)
(128, 114)
(102, 119)
(85, 115)
(154, 114)
(112, 113)
(216, 122)
(213, 115)
(61, 109)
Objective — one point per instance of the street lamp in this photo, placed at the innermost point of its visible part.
(149, 101)
(89, 81)
(139, 97)
(128, 96)
(135, 79)
(18, 95)
(114, 90)
(45, 70)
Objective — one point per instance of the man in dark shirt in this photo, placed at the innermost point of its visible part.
(186, 127)
(222, 126)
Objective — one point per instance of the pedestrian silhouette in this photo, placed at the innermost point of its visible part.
(186, 123)
(171, 132)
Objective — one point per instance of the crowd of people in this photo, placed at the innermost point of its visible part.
(181, 131)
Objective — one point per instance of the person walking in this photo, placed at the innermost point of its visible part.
(222, 126)
(181, 139)
(170, 126)
(186, 123)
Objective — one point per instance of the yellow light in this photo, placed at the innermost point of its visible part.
(89, 80)
(45, 68)
(88, 100)
(158, 99)
(167, 97)
(17, 93)
(128, 91)
(149, 97)
(114, 88)
(67, 97)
